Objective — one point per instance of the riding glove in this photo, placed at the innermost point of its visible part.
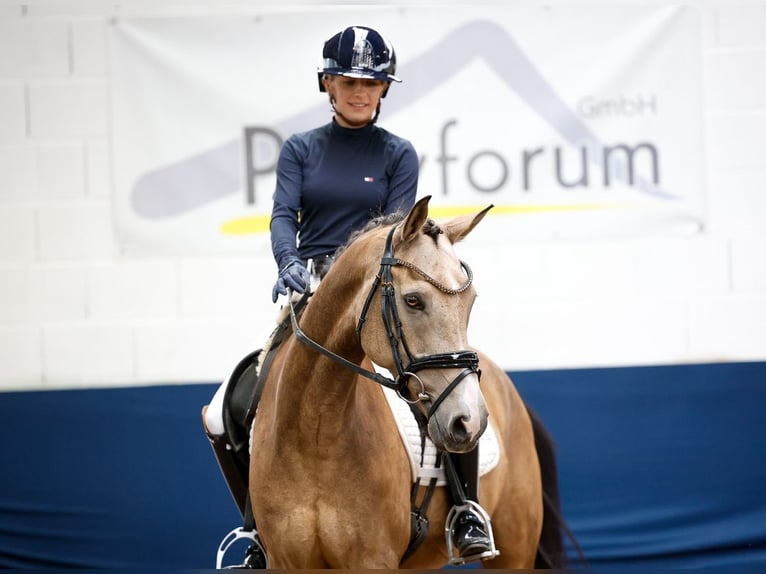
(294, 276)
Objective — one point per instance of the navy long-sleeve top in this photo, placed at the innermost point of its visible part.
(331, 181)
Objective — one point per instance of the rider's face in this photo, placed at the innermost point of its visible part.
(356, 99)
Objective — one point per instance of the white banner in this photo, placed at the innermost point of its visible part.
(572, 121)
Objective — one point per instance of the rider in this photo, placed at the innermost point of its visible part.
(330, 181)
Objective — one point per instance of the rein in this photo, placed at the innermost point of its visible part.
(467, 360)
(308, 341)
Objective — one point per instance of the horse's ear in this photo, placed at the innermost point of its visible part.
(456, 229)
(415, 219)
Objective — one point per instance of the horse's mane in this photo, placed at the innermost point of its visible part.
(430, 228)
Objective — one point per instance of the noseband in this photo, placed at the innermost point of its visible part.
(467, 360)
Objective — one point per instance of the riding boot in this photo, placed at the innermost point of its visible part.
(235, 473)
(255, 559)
(470, 533)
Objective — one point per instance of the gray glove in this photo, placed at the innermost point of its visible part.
(293, 276)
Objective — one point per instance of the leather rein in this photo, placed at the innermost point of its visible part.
(467, 360)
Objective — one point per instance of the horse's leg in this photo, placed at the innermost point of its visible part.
(550, 551)
(330, 500)
(517, 518)
(512, 491)
(365, 515)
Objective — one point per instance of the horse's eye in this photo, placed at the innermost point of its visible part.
(413, 301)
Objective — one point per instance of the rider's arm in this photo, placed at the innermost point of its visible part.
(285, 213)
(403, 180)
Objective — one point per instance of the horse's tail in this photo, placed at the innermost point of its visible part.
(550, 550)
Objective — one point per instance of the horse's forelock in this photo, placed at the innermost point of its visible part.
(432, 229)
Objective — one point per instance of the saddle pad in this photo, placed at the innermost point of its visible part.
(489, 452)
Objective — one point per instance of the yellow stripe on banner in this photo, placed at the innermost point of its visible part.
(260, 223)
(438, 212)
(246, 225)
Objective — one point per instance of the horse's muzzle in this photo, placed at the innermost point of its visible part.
(460, 420)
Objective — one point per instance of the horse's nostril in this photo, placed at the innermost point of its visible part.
(459, 429)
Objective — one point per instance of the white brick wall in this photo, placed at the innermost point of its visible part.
(34, 48)
(17, 235)
(13, 115)
(67, 109)
(18, 171)
(74, 311)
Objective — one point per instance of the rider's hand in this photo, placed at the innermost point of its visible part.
(294, 276)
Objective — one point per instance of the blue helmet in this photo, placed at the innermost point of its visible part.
(358, 52)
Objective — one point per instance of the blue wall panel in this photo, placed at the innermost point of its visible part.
(115, 478)
(659, 466)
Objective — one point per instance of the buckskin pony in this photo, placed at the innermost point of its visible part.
(330, 479)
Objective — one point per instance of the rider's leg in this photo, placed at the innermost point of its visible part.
(470, 534)
(234, 471)
(212, 415)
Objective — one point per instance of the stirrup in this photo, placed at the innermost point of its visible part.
(238, 534)
(449, 525)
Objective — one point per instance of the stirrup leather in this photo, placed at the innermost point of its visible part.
(238, 534)
(451, 522)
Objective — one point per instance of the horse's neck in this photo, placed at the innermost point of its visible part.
(327, 321)
(320, 390)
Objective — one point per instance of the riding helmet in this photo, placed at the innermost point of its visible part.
(358, 52)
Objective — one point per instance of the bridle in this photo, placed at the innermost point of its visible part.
(467, 360)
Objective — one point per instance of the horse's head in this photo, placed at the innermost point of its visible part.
(414, 322)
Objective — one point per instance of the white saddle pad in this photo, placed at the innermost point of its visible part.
(489, 453)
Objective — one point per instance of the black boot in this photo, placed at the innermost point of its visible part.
(233, 469)
(235, 473)
(255, 559)
(470, 534)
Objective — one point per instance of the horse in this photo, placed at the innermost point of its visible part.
(330, 481)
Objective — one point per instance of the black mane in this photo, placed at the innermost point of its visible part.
(430, 228)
